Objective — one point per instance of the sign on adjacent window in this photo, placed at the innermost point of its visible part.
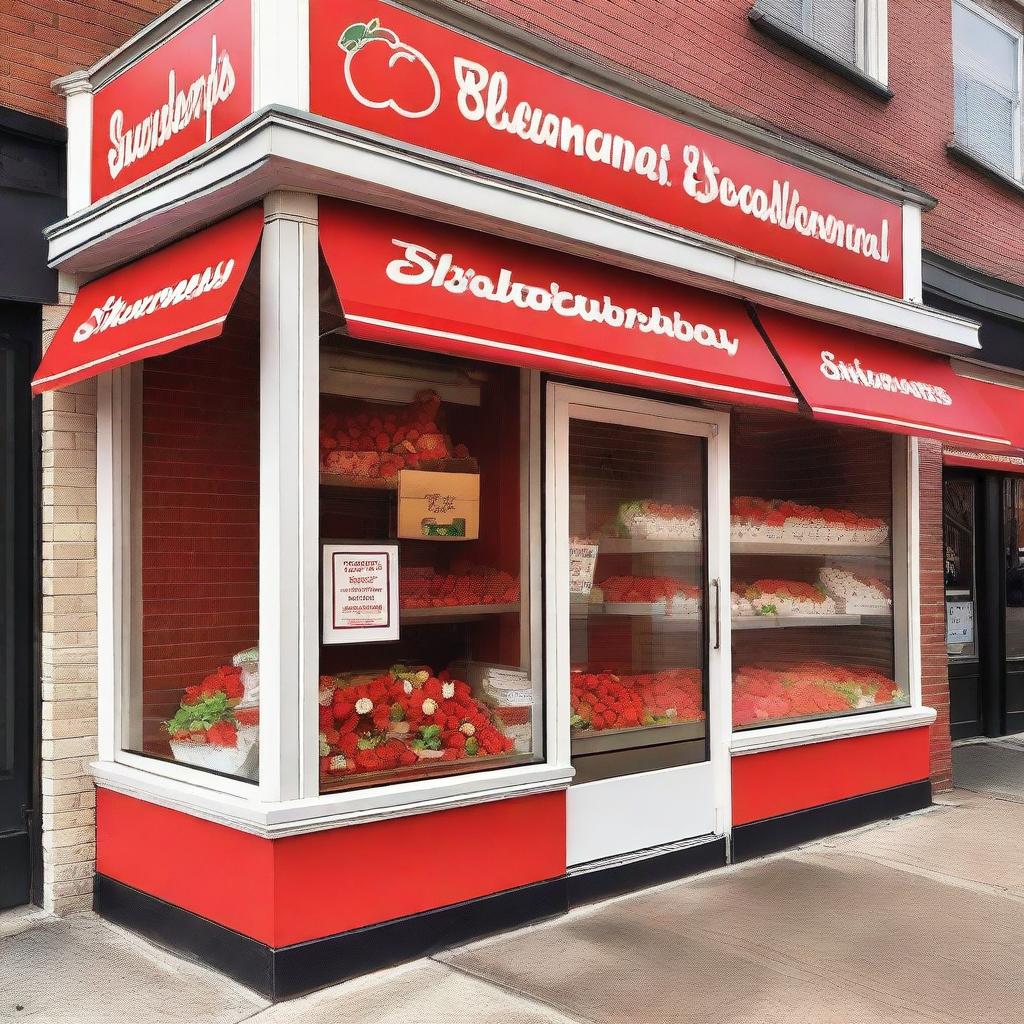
(959, 622)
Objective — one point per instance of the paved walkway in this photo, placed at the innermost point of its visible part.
(919, 920)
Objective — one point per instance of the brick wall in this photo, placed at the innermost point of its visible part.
(934, 665)
(45, 39)
(711, 51)
(68, 637)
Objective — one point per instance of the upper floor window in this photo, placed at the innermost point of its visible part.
(850, 31)
(987, 87)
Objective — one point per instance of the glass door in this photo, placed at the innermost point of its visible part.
(637, 521)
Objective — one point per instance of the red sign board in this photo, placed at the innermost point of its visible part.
(854, 379)
(167, 300)
(428, 285)
(187, 91)
(383, 69)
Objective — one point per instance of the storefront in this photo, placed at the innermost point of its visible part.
(498, 508)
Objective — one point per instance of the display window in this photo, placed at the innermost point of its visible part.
(813, 531)
(427, 526)
(194, 444)
(1013, 504)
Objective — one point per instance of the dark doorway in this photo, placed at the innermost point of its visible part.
(983, 536)
(20, 331)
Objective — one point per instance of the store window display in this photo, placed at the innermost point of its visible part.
(195, 519)
(427, 460)
(811, 533)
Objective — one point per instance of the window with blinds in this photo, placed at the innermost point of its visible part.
(835, 25)
(986, 88)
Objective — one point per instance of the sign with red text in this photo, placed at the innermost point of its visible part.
(360, 593)
(851, 378)
(429, 285)
(397, 74)
(184, 93)
(172, 298)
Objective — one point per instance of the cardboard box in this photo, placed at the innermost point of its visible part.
(438, 506)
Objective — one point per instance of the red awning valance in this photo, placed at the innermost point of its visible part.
(851, 378)
(172, 298)
(1007, 404)
(415, 282)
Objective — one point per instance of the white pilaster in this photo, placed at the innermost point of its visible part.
(77, 89)
(289, 497)
(280, 36)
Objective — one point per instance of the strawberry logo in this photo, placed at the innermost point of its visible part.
(384, 73)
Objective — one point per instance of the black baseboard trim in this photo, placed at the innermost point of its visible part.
(294, 970)
(15, 869)
(606, 879)
(773, 834)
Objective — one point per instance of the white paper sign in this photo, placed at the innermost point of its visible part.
(959, 622)
(360, 593)
(582, 560)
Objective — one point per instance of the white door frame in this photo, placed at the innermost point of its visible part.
(708, 785)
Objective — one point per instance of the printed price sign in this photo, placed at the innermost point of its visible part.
(959, 622)
(582, 560)
(360, 593)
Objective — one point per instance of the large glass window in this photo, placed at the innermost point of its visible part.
(194, 518)
(637, 604)
(431, 459)
(812, 571)
(986, 85)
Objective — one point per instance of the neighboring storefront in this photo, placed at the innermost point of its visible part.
(983, 516)
(499, 506)
(31, 195)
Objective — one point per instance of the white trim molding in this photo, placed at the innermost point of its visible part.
(801, 734)
(287, 149)
(298, 817)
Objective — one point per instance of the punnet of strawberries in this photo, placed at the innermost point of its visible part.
(465, 585)
(646, 589)
(209, 710)
(366, 441)
(402, 717)
(770, 693)
(604, 700)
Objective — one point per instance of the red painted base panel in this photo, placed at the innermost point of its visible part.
(299, 888)
(782, 781)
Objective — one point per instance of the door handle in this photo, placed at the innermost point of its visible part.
(718, 614)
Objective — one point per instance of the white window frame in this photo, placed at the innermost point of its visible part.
(286, 800)
(872, 36)
(1018, 120)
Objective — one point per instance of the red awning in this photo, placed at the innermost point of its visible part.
(862, 381)
(1007, 403)
(408, 281)
(172, 298)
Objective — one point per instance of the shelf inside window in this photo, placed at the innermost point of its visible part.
(456, 613)
(803, 549)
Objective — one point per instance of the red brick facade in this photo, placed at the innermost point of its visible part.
(44, 39)
(934, 664)
(711, 51)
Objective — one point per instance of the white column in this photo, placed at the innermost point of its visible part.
(280, 53)
(77, 89)
(289, 498)
(912, 279)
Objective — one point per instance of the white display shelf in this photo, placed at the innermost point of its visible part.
(656, 613)
(639, 545)
(456, 613)
(807, 548)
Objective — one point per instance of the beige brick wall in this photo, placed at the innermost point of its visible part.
(68, 638)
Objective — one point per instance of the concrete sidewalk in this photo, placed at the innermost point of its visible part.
(916, 920)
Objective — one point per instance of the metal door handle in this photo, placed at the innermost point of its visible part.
(718, 614)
